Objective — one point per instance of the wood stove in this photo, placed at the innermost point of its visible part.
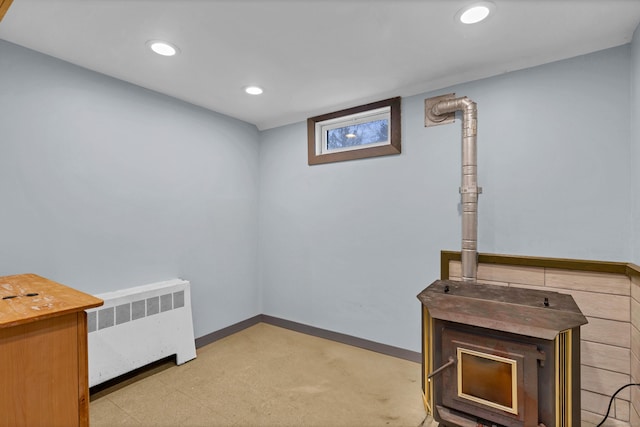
(500, 356)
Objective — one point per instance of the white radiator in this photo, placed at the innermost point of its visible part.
(137, 326)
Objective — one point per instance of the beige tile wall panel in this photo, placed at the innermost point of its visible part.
(602, 381)
(502, 274)
(635, 368)
(598, 404)
(539, 288)
(602, 306)
(634, 417)
(455, 273)
(490, 282)
(589, 419)
(455, 269)
(635, 352)
(635, 404)
(612, 358)
(588, 281)
(635, 288)
(511, 274)
(594, 402)
(635, 340)
(607, 332)
(635, 313)
(610, 345)
(622, 409)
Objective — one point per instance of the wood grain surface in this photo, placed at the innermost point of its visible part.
(29, 297)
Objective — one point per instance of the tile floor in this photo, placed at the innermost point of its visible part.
(270, 376)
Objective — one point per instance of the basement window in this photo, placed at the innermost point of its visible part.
(366, 131)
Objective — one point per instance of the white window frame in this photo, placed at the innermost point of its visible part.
(319, 126)
(323, 128)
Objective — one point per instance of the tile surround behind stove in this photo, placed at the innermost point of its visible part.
(610, 342)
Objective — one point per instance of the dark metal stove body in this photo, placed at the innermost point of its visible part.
(513, 355)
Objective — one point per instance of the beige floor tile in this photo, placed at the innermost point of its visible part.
(274, 412)
(231, 397)
(154, 403)
(269, 376)
(105, 413)
(429, 422)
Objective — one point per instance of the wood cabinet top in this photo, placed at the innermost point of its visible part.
(4, 7)
(29, 297)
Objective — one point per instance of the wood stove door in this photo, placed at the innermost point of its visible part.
(494, 379)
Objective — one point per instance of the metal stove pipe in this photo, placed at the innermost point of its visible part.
(469, 189)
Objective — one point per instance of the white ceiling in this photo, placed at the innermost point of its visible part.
(311, 56)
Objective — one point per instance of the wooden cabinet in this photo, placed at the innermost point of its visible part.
(4, 7)
(43, 353)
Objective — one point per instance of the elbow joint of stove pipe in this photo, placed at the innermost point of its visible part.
(441, 110)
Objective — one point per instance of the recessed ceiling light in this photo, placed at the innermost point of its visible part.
(475, 12)
(163, 48)
(253, 90)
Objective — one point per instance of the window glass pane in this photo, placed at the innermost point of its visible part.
(373, 132)
(487, 379)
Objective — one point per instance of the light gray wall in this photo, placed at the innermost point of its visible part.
(635, 144)
(347, 246)
(105, 185)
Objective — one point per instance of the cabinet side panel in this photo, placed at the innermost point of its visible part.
(39, 371)
(83, 371)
